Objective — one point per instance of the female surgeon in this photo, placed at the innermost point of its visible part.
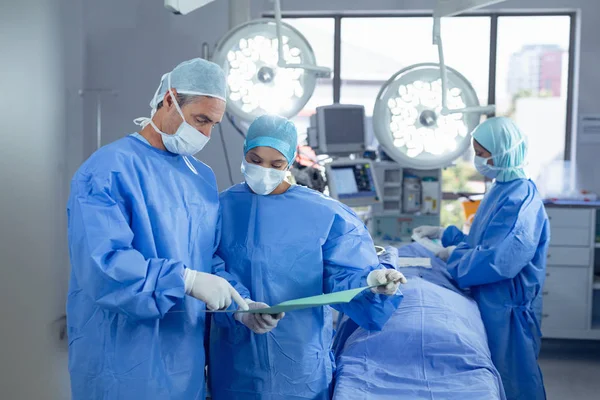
(285, 242)
(503, 258)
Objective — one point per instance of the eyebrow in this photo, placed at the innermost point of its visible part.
(204, 116)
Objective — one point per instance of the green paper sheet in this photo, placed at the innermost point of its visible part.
(344, 296)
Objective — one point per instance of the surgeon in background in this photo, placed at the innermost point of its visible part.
(284, 242)
(503, 258)
(143, 225)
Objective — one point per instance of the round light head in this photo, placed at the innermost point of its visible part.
(408, 120)
(256, 85)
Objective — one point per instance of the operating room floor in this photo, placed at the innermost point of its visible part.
(571, 369)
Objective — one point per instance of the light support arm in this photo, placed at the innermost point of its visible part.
(322, 72)
(437, 40)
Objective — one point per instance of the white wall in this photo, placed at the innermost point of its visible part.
(35, 60)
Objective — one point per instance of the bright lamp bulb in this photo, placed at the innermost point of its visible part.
(408, 122)
(256, 85)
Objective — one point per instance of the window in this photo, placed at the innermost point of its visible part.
(368, 61)
(532, 72)
(320, 34)
(520, 62)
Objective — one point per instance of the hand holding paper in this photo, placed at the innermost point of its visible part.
(259, 322)
(344, 296)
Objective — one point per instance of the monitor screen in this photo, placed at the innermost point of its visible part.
(353, 181)
(345, 126)
(344, 181)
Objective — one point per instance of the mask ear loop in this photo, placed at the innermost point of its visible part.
(175, 99)
(513, 148)
(145, 121)
(291, 164)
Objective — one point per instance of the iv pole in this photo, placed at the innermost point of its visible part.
(98, 93)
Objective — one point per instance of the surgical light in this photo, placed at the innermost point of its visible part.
(409, 121)
(259, 81)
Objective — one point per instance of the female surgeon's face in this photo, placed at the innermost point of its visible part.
(480, 151)
(266, 157)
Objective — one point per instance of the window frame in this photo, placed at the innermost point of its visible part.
(338, 18)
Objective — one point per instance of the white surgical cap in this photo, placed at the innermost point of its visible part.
(196, 77)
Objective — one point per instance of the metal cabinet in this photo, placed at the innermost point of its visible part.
(569, 256)
(566, 299)
(568, 289)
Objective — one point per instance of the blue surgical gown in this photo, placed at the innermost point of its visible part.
(503, 261)
(282, 247)
(136, 217)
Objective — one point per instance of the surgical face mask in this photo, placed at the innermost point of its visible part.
(187, 140)
(482, 166)
(262, 180)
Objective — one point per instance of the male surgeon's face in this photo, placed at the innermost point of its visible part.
(203, 113)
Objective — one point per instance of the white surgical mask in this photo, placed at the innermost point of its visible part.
(262, 180)
(482, 166)
(186, 141)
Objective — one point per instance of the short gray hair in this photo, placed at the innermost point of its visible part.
(182, 100)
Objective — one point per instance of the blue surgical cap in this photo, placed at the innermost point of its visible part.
(197, 77)
(507, 144)
(273, 131)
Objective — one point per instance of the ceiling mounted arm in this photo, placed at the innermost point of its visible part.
(437, 40)
(448, 8)
(323, 72)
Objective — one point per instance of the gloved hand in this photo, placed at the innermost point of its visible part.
(215, 291)
(258, 323)
(431, 232)
(445, 253)
(387, 280)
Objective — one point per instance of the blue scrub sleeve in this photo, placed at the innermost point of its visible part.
(218, 268)
(107, 267)
(453, 236)
(349, 256)
(506, 247)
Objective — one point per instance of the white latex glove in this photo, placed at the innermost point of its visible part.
(431, 232)
(215, 291)
(258, 323)
(445, 253)
(387, 281)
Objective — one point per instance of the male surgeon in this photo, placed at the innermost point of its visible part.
(143, 225)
